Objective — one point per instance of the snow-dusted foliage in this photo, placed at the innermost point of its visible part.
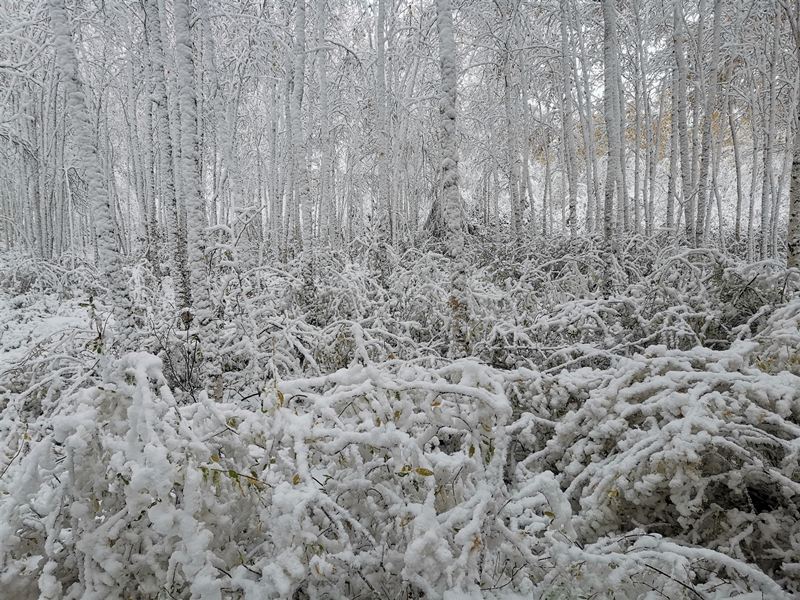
(625, 425)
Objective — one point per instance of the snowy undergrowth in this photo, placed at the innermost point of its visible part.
(627, 426)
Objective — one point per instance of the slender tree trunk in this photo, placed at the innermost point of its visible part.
(459, 299)
(753, 184)
(102, 207)
(738, 166)
(769, 145)
(611, 80)
(569, 135)
(623, 205)
(683, 134)
(512, 155)
(593, 205)
(707, 144)
(673, 155)
(526, 131)
(155, 250)
(326, 204)
(176, 245)
(641, 62)
(303, 190)
(793, 233)
(194, 271)
(384, 210)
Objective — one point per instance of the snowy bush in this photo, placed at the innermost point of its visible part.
(637, 440)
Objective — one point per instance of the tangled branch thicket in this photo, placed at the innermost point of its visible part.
(626, 426)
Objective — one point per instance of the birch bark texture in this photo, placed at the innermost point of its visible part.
(792, 10)
(105, 230)
(567, 108)
(707, 143)
(193, 272)
(451, 194)
(611, 104)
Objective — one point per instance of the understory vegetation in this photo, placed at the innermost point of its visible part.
(626, 425)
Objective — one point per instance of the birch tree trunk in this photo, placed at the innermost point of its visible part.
(101, 203)
(753, 185)
(738, 166)
(683, 134)
(451, 195)
(593, 201)
(569, 135)
(176, 244)
(611, 101)
(707, 144)
(769, 146)
(194, 271)
(525, 146)
(793, 232)
(512, 155)
(644, 99)
(300, 169)
(326, 204)
(383, 217)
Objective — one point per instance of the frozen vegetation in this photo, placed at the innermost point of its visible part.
(624, 424)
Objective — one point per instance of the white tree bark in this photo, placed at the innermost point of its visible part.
(326, 204)
(769, 146)
(569, 135)
(707, 143)
(451, 194)
(793, 233)
(100, 200)
(683, 134)
(383, 216)
(611, 102)
(194, 272)
(303, 189)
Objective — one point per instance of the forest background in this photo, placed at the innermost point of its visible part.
(397, 299)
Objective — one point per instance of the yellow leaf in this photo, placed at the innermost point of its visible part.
(280, 396)
(471, 451)
(424, 472)
(547, 513)
(215, 458)
(296, 479)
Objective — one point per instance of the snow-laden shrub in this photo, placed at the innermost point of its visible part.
(346, 483)
(21, 273)
(697, 446)
(383, 479)
(626, 427)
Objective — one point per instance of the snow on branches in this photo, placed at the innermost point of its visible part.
(635, 444)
